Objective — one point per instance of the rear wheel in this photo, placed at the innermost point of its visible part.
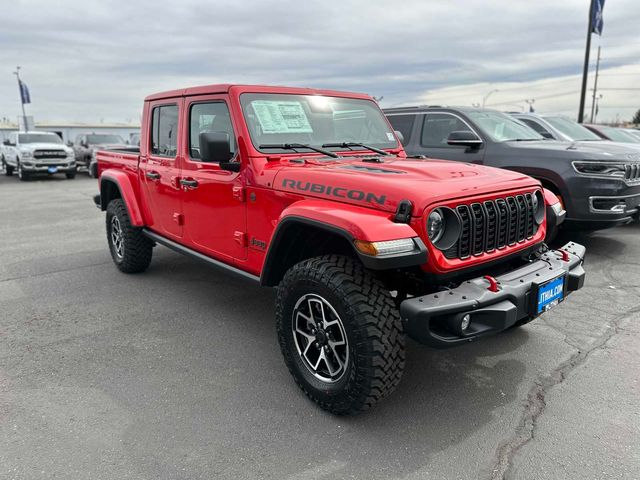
(130, 250)
(340, 333)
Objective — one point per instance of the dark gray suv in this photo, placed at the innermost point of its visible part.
(598, 183)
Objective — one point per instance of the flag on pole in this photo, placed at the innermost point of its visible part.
(24, 93)
(596, 17)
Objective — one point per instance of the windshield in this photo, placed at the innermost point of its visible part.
(38, 138)
(278, 119)
(103, 139)
(571, 129)
(503, 128)
(617, 135)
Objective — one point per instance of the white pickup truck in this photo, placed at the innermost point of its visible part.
(31, 153)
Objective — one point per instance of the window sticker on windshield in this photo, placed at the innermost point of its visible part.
(277, 116)
(390, 137)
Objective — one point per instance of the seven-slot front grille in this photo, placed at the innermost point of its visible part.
(493, 224)
(632, 171)
(44, 154)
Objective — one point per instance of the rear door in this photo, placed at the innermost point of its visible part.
(213, 199)
(160, 168)
(433, 135)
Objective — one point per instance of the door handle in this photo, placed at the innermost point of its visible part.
(153, 175)
(189, 183)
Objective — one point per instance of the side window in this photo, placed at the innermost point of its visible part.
(404, 124)
(164, 130)
(437, 127)
(208, 117)
(535, 125)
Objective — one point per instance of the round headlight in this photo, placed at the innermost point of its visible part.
(435, 226)
(538, 207)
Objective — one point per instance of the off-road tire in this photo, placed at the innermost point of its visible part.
(70, 175)
(137, 249)
(376, 342)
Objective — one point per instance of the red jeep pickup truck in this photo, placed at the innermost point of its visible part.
(310, 191)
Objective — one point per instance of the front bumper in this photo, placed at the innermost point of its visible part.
(61, 167)
(594, 203)
(428, 319)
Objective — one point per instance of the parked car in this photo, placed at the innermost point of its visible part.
(33, 153)
(633, 132)
(134, 139)
(558, 127)
(612, 133)
(309, 191)
(597, 182)
(87, 143)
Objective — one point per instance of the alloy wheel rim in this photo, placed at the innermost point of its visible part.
(116, 237)
(320, 338)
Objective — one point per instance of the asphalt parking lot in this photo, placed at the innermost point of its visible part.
(176, 373)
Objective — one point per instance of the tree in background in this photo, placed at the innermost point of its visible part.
(636, 118)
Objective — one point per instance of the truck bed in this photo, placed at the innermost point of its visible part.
(118, 158)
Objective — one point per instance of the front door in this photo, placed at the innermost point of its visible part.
(160, 169)
(434, 133)
(213, 199)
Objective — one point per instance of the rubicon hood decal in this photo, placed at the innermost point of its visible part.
(334, 191)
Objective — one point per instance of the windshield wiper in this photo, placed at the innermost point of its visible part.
(355, 144)
(295, 146)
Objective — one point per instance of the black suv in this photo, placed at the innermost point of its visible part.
(598, 184)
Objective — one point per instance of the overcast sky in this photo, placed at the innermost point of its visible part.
(93, 61)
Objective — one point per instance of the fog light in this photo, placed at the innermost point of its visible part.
(464, 323)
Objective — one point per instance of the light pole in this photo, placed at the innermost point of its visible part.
(484, 99)
(597, 102)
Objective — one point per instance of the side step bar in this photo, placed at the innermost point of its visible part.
(197, 255)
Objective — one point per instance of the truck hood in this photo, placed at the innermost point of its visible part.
(384, 185)
(43, 146)
(578, 150)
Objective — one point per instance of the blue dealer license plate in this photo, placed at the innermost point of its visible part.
(52, 169)
(549, 294)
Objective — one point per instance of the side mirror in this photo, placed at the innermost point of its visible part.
(215, 147)
(400, 136)
(464, 138)
(546, 135)
(84, 144)
(69, 143)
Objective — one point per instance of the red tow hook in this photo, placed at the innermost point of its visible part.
(493, 283)
(565, 255)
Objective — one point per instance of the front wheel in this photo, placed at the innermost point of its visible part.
(8, 169)
(340, 333)
(130, 249)
(22, 175)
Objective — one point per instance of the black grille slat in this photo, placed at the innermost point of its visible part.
(464, 243)
(494, 224)
(477, 218)
(503, 226)
(49, 154)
